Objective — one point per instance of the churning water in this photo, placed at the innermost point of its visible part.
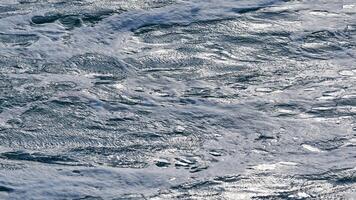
(177, 99)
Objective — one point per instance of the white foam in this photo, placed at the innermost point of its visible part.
(311, 148)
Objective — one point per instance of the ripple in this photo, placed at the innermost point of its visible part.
(18, 39)
(6, 189)
(70, 21)
(159, 99)
(36, 157)
(101, 64)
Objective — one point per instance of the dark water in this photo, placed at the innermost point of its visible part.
(177, 99)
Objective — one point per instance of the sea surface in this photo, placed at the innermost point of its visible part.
(177, 99)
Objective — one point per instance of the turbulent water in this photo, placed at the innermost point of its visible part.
(177, 99)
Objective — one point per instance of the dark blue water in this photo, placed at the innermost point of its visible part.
(177, 99)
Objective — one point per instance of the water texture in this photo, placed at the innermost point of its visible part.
(177, 99)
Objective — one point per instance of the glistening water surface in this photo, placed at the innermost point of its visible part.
(177, 99)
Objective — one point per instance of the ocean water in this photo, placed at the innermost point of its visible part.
(177, 99)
